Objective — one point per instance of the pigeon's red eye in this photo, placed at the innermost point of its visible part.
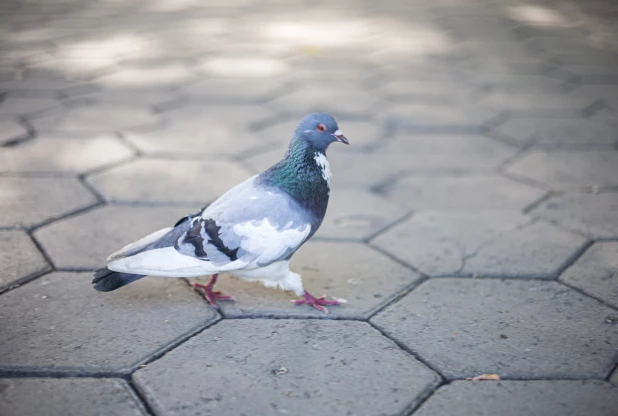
(322, 127)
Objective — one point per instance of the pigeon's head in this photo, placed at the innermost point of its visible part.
(320, 130)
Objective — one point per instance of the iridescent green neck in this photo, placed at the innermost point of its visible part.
(298, 175)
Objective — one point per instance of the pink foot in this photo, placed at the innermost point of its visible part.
(318, 303)
(212, 296)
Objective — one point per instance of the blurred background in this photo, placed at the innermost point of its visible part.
(484, 149)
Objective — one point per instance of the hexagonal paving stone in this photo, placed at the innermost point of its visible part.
(516, 328)
(461, 193)
(20, 259)
(480, 243)
(524, 131)
(25, 105)
(97, 119)
(213, 130)
(115, 331)
(516, 398)
(614, 377)
(84, 241)
(169, 181)
(244, 67)
(322, 97)
(535, 103)
(592, 214)
(30, 201)
(367, 279)
(66, 155)
(411, 89)
(596, 272)
(447, 152)
(248, 372)
(354, 214)
(151, 78)
(11, 130)
(439, 117)
(239, 90)
(68, 397)
(569, 169)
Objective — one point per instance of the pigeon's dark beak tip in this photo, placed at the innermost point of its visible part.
(341, 138)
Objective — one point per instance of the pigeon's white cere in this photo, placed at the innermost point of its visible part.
(263, 239)
(322, 162)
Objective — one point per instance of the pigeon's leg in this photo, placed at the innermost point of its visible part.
(211, 295)
(318, 303)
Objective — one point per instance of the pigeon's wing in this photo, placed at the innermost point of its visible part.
(249, 227)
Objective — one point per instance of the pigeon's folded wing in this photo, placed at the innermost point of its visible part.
(247, 228)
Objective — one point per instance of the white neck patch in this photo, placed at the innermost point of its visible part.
(322, 162)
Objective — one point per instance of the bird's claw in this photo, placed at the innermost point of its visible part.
(213, 296)
(318, 303)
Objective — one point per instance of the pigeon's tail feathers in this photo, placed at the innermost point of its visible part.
(139, 245)
(106, 280)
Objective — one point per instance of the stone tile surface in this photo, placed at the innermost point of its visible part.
(115, 331)
(596, 272)
(68, 397)
(483, 140)
(448, 152)
(569, 169)
(350, 100)
(592, 214)
(354, 214)
(11, 130)
(461, 193)
(365, 278)
(492, 326)
(248, 354)
(29, 201)
(63, 156)
(89, 119)
(491, 243)
(514, 398)
(205, 130)
(557, 131)
(84, 241)
(177, 181)
(19, 258)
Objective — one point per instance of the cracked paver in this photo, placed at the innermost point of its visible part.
(490, 243)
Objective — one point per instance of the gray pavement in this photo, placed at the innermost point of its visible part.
(473, 224)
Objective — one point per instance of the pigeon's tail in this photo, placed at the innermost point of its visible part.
(106, 280)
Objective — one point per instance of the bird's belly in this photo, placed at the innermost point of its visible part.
(275, 275)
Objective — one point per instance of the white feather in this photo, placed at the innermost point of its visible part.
(170, 263)
(322, 162)
(141, 243)
(268, 243)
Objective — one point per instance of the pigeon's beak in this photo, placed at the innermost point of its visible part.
(340, 137)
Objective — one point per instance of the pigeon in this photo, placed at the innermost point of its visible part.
(251, 231)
